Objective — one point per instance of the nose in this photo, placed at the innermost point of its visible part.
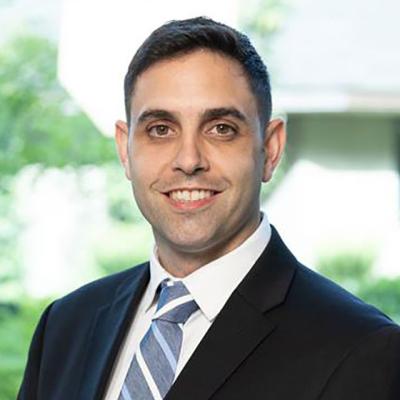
(190, 157)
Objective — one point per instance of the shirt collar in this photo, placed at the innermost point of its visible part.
(219, 277)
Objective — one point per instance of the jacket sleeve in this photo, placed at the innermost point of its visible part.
(370, 371)
(30, 382)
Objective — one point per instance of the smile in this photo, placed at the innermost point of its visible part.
(189, 199)
(190, 195)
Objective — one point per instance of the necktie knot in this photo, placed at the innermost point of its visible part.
(175, 303)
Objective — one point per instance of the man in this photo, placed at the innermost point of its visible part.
(223, 310)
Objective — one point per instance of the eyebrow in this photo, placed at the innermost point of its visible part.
(156, 114)
(207, 115)
(214, 113)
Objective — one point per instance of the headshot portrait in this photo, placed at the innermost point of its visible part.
(223, 308)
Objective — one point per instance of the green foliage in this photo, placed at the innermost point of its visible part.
(115, 248)
(353, 270)
(348, 267)
(17, 323)
(112, 262)
(264, 17)
(261, 20)
(385, 293)
(39, 123)
(121, 204)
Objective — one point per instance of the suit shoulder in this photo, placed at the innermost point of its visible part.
(332, 306)
(371, 368)
(103, 289)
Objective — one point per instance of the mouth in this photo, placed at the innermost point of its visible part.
(191, 198)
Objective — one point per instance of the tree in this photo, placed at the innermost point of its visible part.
(39, 123)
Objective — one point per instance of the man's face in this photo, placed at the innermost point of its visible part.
(195, 154)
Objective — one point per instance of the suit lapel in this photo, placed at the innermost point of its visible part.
(108, 330)
(240, 326)
(230, 339)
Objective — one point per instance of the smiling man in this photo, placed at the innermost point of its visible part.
(222, 310)
(196, 152)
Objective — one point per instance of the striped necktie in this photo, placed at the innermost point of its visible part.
(153, 367)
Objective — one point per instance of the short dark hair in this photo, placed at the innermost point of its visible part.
(180, 37)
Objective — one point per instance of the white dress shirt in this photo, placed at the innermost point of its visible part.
(211, 286)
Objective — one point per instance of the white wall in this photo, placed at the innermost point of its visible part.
(342, 190)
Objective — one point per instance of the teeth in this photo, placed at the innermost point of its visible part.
(190, 195)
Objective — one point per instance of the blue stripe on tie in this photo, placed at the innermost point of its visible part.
(164, 345)
(125, 393)
(170, 292)
(136, 381)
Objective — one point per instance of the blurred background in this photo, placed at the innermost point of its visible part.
(67, 215)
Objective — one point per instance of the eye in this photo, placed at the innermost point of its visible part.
(223, 130)
(158, 130)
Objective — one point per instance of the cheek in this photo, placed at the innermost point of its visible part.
(144, 165)
(247, 168)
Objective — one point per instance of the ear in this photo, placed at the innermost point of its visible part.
(121, 141)
(274, 144)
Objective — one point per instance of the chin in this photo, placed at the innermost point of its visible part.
(191, 244)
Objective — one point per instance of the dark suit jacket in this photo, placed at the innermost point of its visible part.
(285, 333)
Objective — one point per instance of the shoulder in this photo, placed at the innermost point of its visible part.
(328, 311)
(351, 345)
(100, 292)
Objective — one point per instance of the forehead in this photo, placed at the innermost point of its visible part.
(199, 80)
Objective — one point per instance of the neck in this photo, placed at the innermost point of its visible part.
(181, 262)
